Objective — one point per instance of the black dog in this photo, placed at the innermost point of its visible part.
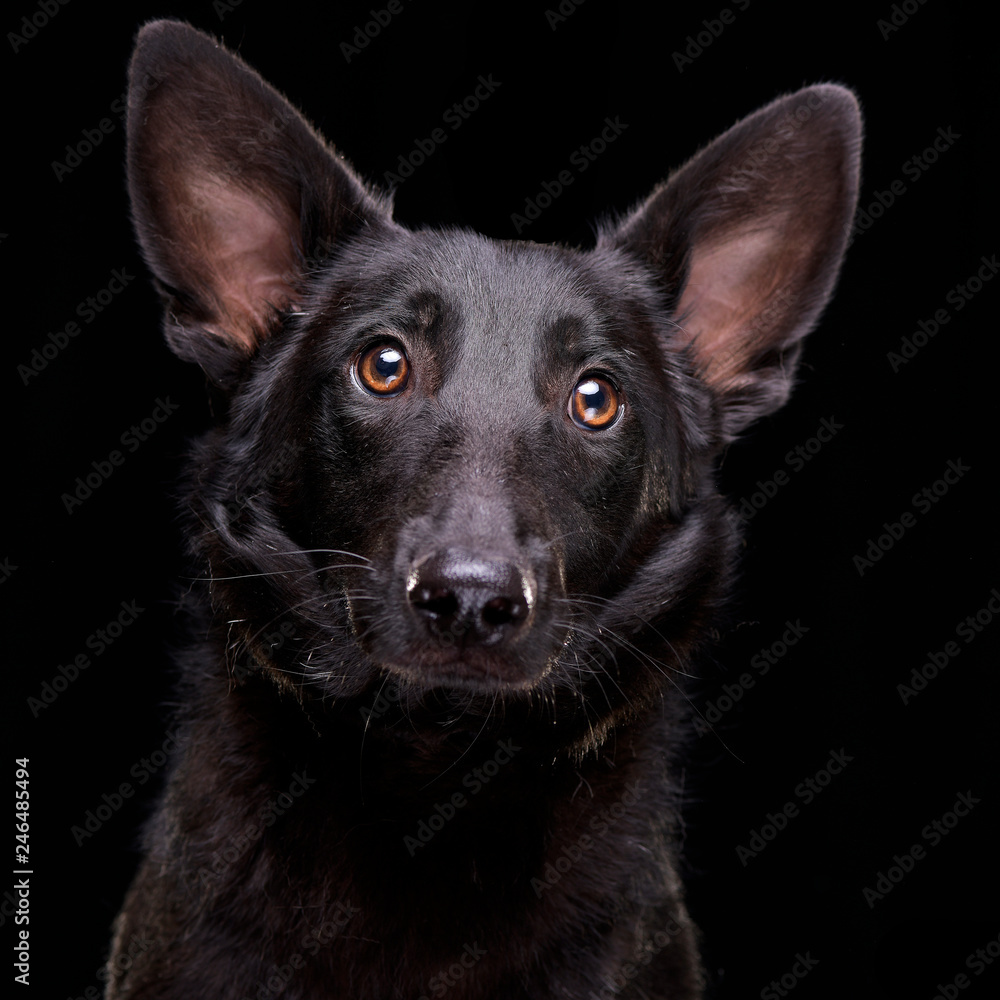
(461, 536)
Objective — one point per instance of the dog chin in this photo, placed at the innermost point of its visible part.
(477, 670)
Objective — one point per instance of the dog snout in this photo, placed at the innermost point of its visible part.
(470, 599)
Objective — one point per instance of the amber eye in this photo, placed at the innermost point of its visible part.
(382, 370)
(595, 403)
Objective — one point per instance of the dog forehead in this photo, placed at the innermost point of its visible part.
(513, 306)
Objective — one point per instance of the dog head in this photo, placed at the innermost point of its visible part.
(476, 467)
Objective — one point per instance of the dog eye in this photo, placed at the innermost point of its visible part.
(595, 403)
(382, 370)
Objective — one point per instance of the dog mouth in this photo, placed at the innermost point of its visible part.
(468, 670)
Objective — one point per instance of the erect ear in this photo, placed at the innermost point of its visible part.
(232, 194)
(748, 237)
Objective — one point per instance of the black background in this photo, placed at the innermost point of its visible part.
(835, 690)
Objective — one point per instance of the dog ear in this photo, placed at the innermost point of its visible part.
(748, 237)
(232, 194)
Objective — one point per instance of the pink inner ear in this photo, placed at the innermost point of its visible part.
(727, 308)
(251, 257)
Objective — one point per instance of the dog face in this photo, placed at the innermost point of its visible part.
(485, 455)
(482, 468)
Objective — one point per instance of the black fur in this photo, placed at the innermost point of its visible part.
(430, 718)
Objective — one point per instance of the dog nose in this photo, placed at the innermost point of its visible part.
(467, 599)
